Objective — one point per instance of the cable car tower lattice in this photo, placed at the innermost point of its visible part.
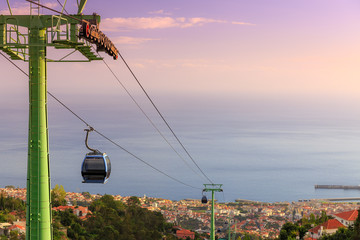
(26, 37)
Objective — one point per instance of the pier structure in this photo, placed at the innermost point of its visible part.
(357, 187)
(344, 199)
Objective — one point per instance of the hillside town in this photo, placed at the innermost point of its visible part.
(190, 215)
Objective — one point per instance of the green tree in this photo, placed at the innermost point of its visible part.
(113, 220)
(133, 201)
(302, 231)
(11, 204)
(341, 234)
(247, 237)
(356, 234)
(288, 231)
(58, 195)
(15, 235)
(67, 217)
(86, 195)
(323, 218)
(57, 234)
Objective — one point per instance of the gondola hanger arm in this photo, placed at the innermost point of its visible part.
(86, 139)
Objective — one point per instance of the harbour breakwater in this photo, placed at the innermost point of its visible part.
(337, 187)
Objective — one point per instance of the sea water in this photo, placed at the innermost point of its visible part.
(267, 152)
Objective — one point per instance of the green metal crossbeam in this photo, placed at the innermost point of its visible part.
(80, 46)
(9, 25)
(66, 43)
(13, 54)
(86, 51)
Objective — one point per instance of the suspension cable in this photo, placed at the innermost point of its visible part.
(144, 161)
(62, 7)
(147, 95)
(148, 118)
(162, 117)
(101, 134)
(43, 6)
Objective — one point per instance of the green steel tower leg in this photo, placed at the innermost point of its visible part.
(212, 233)
(38, 207)
(33, 50)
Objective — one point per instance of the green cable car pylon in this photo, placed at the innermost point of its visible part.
(212, 188)
(26, 37)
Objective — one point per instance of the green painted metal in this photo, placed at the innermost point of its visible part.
(229, 237)
(212, 188)
(212, 233)
(38, 207)
(17, 47)
(9, 7)
(235, 231)
(32, 45)
(81, 6)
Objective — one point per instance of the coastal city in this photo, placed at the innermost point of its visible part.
(241, 217)
(172, 105)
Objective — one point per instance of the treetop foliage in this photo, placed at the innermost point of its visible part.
(112, 219)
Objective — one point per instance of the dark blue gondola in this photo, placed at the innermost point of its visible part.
(204, 198)
(96, 166)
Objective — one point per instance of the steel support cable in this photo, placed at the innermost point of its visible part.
(107, 138)
(145, 94)
(162, 117)
(62, 7)
(224, 196)
(43, 6)
(144, 161)
(82, 120)
(151, 122)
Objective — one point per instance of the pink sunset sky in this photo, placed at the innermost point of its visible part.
(252, 48)
(208, 65)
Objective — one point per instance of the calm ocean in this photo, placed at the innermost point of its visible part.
(261, 152)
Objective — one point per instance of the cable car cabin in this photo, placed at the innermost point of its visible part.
(96, 168)
(204, 199)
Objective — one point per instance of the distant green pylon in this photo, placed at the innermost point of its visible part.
(229, 229)
(212, 188)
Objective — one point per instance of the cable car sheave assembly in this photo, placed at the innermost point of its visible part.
(96, 167)
(91, 33)
(15, 42)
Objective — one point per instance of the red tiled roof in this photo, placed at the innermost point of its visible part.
(16, 226)
(332, 224)
(348, 216)
(329, 224)
(184, 233)
(62, 208)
